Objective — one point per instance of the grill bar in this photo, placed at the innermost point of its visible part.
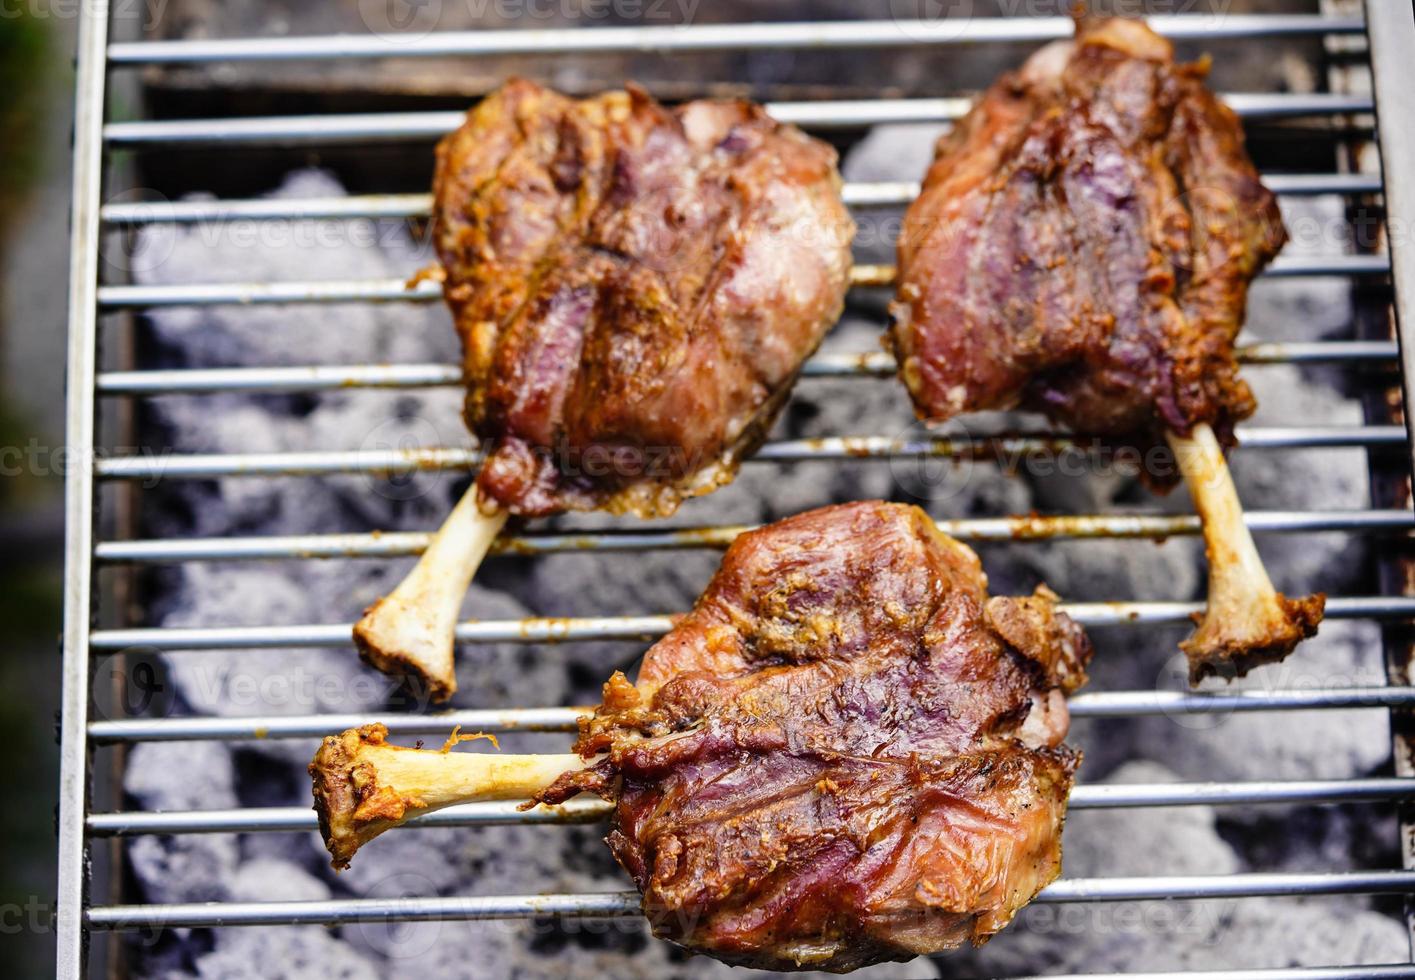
(1392, 79)
(396, 544)
(296, 819)
(1392, 45)
(865, 364)
(1101, 704)
(644, 628)
(853, 34)
(425, 291)
(80, 433)
(821, 114)
(291, 819)
(163, 466)
(878, 194)
(617, 904)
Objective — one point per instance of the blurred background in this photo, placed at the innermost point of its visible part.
(36, 73)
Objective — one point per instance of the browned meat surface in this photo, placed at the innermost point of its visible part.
(1083, 246)
(846, 753)
(635, 287)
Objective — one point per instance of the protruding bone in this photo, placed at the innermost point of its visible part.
(410, 631)
(1247, 622)
(363, 785)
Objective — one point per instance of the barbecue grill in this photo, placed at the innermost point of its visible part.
(1387, 32)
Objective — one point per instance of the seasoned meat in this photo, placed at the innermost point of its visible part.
(636, 289)
(635, 286)
(1083, 246)
(846, 753)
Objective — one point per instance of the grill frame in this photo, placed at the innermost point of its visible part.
(1392, 43)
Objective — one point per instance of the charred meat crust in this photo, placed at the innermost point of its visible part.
(348, 798)
(1228, 652)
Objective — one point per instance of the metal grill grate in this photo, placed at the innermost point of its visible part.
(1393, 47)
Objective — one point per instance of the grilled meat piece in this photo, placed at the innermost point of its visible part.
(846, 753)
(636, 288)
(1082, 247)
